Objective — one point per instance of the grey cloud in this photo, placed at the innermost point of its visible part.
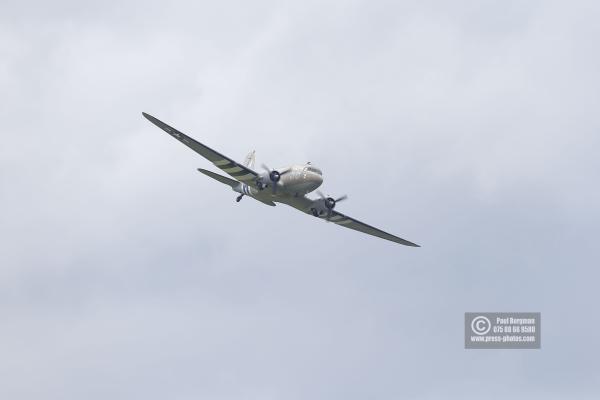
(467, 127)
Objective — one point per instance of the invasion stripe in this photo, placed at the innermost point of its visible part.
(346, 221)
(234, 169)
(228, 165)
(336, 217)
(245, 177)
(221, 162)
(238, 173)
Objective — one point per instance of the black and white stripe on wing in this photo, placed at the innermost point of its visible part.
(238, 171)
(234, 169)
(337, 218)
(340, 219)
(351, 223)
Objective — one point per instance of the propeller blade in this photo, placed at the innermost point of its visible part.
(344, 197)
(265, 168)
(274, 176)
(321, 195)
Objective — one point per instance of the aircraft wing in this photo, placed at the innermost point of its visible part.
(351, 223)
(229, 166)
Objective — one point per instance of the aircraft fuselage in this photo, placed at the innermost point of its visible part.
(300, 179)
(296, 181)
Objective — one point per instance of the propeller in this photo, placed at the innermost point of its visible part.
(274, 177)
(330, 202)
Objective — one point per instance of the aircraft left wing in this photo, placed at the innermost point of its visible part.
(351, 223)
(229, 166)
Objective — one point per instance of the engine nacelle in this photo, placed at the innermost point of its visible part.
(269, 178)
(325, 205)
(322, 206)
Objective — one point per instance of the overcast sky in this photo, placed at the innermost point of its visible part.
(469, 127)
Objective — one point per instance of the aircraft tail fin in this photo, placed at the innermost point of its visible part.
(249, 161)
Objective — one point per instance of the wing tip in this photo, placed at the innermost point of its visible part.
(407, 243)
(148, 116)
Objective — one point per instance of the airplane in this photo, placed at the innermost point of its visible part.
(288, 185)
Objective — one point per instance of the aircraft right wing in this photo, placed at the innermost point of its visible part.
(351, 223)
(231, 167)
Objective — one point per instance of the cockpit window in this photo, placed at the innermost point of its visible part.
(315, 170)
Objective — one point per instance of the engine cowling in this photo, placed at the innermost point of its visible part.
(268, 178)
(319, 207)
(325, 205)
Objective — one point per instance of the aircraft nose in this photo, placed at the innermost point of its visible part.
(317, 179)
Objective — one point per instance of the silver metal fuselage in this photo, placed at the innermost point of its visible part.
(296, 181)
(300, 179)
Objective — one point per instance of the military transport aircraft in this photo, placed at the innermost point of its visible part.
(288, 185)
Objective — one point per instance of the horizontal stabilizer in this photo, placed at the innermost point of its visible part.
(220, 178)
(232, 183)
